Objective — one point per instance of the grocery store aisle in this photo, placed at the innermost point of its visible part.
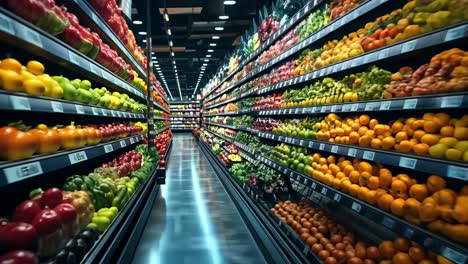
(194, 220)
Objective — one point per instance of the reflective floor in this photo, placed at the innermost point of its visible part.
(193, 219)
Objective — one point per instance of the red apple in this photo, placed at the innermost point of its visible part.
(26, 211)
(47, 221)
(19, 257)
(18, 235)
(66, 211)
(52, 197)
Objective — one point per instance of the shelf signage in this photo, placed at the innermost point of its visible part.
(23, 171)
(108, 148)
(56, 106)
(20, 103)
(368, 155)
(77, 157)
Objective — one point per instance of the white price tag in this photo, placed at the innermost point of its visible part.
(409, 233)
(104, 111)
(132, 141)
(324, 191)
(385, 105)
(23, 171)
(408, 46)
(79, 109)
(371, 106)
(114, 113)
(314, 185)
(33, 37)
(108, 148)
(301, 142)
(334, 149)
(333, 108)
(346, 107)
(454, 255)
(352, 152)
(354, 107)
(337, 197)
(322, 146)
(457, 172)
(356, 207)
(455, 33)
(20, 103)
(56, 106)
(311, 144)
(388, 222)
(368, 155)
(407, 163)
(451, 101)
(123, 144)
(5, 25)
(77, 157)
(95, 111)
(410, 103)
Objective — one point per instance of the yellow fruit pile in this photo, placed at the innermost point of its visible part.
(439, 135)
(431, 203)
(31, 79)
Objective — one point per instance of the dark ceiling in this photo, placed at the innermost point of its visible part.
(193, 25)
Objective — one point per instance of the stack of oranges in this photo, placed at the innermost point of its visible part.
(438, 135)
(431, 203)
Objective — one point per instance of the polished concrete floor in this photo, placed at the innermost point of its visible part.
(193, 219)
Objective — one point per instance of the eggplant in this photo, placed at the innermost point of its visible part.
(70, 245)
(88, 236)
(81, 248)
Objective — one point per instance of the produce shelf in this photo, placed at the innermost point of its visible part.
(182, 129)
(160, 107)
(300, 15)
(186, 116)
(162, 96)
(319, 35)
(456, 100)
(25, 102)
(161, 118)
(283, 244)
(160, 130)
(184, 102)
(240, 112)
(444, 168)
(407, 47)
(185, 110)
(105, 248)
(221, 125)
(87, 13)
(27, 36)
(318, 192)
(14, 171)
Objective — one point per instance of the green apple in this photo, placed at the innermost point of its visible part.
(95, 97)
(76, 83)
(85, 84)
(83, 96)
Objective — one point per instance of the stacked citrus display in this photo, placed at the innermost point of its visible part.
(438, 134)
(443, 209)
(333, 243)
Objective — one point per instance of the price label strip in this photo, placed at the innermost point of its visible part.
(77, 157)
(108, 148)
(20, 103)
(23, 171)
(56, 106)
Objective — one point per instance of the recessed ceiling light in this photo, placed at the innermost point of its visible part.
(208, 55)
(204, 64)
(212, 44)
(219, 28)
(215, 37)
(210, 50)
(144, 41)
(166, 17)
(137, 22)
(229, 2)
(223, 17)
(172, 54)
(170, 43)
(169, 32)
(143, 33)
(206, 60)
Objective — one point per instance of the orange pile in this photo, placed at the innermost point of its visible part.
(333, 243)
(432, 203)
(438, 135)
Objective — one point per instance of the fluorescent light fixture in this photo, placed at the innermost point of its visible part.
(219, 28)
(137, 22)
(204, 64)
(215, 37)
(210, 50)
(223, 17)
(144, 41)
(143, 33)
(172, 53)
(154, 58)
(166, 17)
(169, 32)
(229, 2)
(206, 60)
(208, 55)
(173, 62)
(170, 43)
(212, 44)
